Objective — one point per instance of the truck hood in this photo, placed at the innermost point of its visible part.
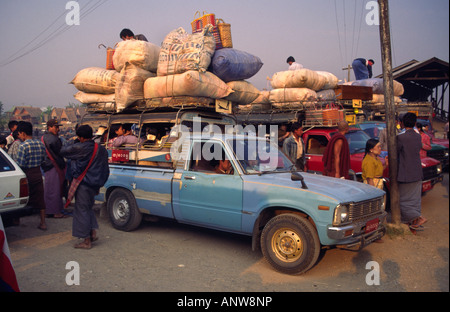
(341, 190)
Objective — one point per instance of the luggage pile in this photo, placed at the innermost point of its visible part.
(187, 69)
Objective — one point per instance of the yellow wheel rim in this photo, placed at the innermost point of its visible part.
(287, 245)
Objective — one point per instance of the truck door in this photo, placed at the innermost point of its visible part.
(315, 147)
(205, 195)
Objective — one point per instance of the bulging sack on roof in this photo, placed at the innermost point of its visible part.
(182, 52)
(331, 80)
(244, 92)
(302, 78)
(140, 53)
(233, 65)
(130, 87)
(287, 95)
(90, 98)
(96, 80)
(191, 83)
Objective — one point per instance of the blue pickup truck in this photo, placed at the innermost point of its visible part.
(290, 215)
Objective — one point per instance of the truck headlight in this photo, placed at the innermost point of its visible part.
(340, 215)
(383, 203)
(439, 169)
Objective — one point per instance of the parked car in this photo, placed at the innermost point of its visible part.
(13, 185)
(316, 140)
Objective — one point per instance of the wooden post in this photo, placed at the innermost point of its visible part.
(386, 54)
(349, 68)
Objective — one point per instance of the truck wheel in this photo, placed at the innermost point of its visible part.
(290, 244)
(123, 210)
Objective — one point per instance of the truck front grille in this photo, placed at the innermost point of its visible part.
(362, 210)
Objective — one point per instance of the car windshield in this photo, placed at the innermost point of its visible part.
(257, 156)
(357, 141)
(373, 129)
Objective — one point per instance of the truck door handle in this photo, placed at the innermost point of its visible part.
(189, 178)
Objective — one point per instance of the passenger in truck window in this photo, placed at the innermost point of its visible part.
(125, 136)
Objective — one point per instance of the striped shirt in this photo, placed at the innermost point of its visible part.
(30, 154)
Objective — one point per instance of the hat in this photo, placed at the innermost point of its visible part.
(101, 130)
(52, 123)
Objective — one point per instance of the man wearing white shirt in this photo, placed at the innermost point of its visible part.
(293, 65)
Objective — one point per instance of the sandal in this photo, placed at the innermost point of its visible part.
(42, 227)
(83, 245)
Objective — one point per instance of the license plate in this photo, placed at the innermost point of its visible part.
(372, 225)
(426, 186)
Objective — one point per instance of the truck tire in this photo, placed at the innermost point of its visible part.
(123, 211)
(290, 244)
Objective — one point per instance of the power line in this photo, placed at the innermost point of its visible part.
(55, 33)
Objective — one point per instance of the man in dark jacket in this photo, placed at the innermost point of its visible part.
(54, 168)
(410, 173)
(84, 219)
(362, 68)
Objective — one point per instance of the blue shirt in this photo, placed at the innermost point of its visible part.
(30, 154)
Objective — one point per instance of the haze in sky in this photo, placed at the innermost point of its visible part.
(41, 53)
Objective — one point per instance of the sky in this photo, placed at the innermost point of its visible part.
(40, 53)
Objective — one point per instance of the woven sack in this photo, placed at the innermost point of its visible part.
(225, 33)
(244, 92)
(191, 83)
(181, 52)
(96, 80)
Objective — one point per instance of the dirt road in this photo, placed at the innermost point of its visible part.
(166, 256)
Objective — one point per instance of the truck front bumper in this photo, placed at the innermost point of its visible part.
(354, 235)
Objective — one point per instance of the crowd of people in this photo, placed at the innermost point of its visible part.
(57, 169)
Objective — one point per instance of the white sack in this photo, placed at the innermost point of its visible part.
(130, 86)
(263, 98)
(302, 78)
(182, 52)
(90, 98)
(331, 80)
(244, 92)
(143, 54)
(96, 80)
(191, 83)
(292, 95)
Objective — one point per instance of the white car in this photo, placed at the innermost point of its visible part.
(13, 185)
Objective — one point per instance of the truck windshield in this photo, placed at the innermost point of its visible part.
(257, 156)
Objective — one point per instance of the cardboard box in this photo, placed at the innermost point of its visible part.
(344, 92)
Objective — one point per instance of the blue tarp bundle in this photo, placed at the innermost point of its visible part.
(230, 64)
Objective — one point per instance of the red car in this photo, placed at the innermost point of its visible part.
(316, 140)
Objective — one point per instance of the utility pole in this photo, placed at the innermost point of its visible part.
(349, 68)
(386, 54)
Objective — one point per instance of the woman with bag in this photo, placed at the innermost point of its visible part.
(372, 167)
